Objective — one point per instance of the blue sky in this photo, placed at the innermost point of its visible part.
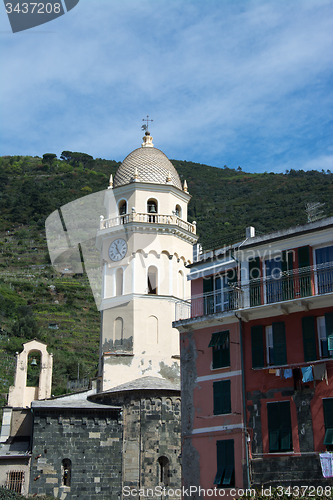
(237, 83)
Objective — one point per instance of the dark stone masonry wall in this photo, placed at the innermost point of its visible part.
(93, 443)
(285, 470)
(152, 429)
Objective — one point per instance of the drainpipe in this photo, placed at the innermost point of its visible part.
(244, 399)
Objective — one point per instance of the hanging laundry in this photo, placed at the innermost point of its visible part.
(272, 370)
(319, 371)
(278, 372)
(307, 374)
(288, 373)
(326, 462)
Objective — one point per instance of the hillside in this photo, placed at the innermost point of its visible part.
(60, 310)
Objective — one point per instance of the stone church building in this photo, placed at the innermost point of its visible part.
(124, 434)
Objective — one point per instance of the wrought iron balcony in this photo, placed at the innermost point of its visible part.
(147, 218)
(280, 287)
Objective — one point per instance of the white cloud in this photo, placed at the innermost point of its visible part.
(242, 83)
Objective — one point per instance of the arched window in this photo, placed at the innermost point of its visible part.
(119, 282)
(66, 470)
(33, 369)
(152, 280)
(152, 206)
(118, 332)
(123, 207)
(178, 211)
(164, 470)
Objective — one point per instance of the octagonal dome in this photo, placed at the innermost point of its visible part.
(147, 164)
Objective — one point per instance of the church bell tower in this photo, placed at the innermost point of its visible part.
(145, 243)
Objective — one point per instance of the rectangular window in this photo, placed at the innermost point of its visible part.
(309, 338)
(328, 418)
(276, 349)
(257, 344)
(279, 427)
(325, 335)
(220, 345)
(225, 475)
(279, 277)
(324, 266)
(222, 398)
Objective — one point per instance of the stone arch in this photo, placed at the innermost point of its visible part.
(122, 207)
(66, 472)
(178, 211)
(180, 284)
(164, 464)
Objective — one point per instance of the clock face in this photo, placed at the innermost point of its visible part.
(118, 249)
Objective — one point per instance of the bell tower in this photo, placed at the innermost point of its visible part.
(145, 243)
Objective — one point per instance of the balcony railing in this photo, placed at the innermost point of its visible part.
(224, 300)
(148, 219)
(283, 286)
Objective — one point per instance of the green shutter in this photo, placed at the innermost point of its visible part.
(279, 426)
(208, 287)
(309, 338)
(222, 401)
(279, 343)
(303, 257)
(226, 396)
(328, 413)
(257, 346)
(217, 398)
(214, 339)
(225, 463)
(329, 329)
(287, 265)
(304, 278)
(208, 284)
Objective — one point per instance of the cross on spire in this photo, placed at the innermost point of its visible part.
(145, 127)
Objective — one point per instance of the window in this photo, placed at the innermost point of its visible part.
(324, 263)
(225, 475)
(220, 345)
(276, 350)
(66, 469)
(152, 206)
(218, 295)
(118, 332)
(279, 277)
(279, 426)
(257, 346)
(164, 470)
(15, 480)
(309, 338)
(328, 418)
(178, 211)
(222, 399)
(123, 208)
(152, 280)
(325, 335)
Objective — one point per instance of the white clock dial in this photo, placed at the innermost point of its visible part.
(118, 249)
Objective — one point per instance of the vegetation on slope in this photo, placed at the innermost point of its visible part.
(35, 302)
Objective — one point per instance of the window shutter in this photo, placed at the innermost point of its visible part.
(279, 343)
(257, 346)
(309, 338)
(328, 413)
(304, 279)
(208, 284)
(226, 397)
(329, 324)
(254, 274)
(303, 256)
(217, 390)
(279, 426)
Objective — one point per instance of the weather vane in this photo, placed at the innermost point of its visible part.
(145, 127)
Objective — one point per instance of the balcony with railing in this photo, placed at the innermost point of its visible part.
(147, 218)
(291, 286)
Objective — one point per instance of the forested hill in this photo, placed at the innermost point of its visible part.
(224, 201)
(60, 310)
